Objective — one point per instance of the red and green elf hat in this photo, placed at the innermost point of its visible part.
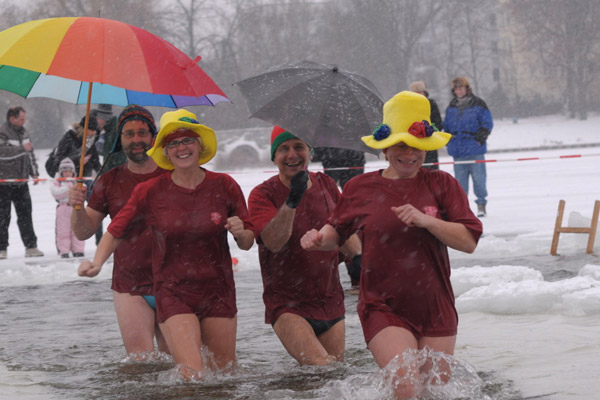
(278, 136)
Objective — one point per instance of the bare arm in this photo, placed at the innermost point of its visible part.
(108, 244)
(243, 237)
(279, 230)
(352, 246)
(452, 234)
(85, 221)
(325, 239)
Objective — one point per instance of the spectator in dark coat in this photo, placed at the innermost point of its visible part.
(17, 161)
(350, 163)
(70, 146)
(431, 157)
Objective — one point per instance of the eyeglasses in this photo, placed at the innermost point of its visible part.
(186, 141)
(143, 133)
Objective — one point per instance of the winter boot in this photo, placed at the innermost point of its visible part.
(33, 252)
(3, 254)
(481, 210)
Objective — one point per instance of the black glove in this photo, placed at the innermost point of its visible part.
(297, 189)
(481, 135)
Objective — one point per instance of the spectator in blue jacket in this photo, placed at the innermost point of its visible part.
(470, 122)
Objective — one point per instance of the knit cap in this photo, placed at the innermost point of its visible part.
(66, 165)
(278, 136)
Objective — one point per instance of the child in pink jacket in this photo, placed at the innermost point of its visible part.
(65, 238)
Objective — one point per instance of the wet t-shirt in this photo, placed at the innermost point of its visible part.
(306, 283)
(190, 257)
(405, 270)
(132, 269)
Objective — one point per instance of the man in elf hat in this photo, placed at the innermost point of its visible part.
(190, 211)
(408, 217)
(302, 293)
(132, 283)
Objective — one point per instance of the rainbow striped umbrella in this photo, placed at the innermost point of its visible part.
(85, 60)
(63, 58)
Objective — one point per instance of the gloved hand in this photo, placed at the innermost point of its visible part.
(481, 135)
(297, 188)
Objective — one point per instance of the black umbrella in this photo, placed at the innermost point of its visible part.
(321, 104)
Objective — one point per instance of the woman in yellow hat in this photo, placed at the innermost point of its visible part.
(190, 210)
(408, 216)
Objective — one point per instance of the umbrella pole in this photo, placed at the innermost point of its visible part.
(83, 140)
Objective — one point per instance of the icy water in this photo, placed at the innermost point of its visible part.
(61, 341)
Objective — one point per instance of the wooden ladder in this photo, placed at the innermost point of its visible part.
(591, 231)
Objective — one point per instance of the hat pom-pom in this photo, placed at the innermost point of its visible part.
(382, 132)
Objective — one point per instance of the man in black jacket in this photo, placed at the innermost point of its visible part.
(17, 161)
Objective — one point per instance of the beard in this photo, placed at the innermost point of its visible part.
(137, 157)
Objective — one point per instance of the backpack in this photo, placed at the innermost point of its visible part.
(51, 163)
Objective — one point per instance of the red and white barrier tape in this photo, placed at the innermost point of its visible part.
(344, 168)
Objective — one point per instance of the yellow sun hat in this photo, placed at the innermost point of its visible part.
(173, 120)
(406, 118)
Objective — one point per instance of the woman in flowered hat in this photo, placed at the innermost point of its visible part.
(190, 210)
(408, 216)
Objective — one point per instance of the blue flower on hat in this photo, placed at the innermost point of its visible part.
(382, 132)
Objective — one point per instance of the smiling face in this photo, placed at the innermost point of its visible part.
(184, 151)
(291, 157)
(136, 139)
(404, 160)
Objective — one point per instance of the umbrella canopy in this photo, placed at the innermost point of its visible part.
(321, 104)
(59, 57)
(68, 58)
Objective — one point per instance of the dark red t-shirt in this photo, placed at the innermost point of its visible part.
(303, 282)
(405, 270)
(132, 269)
(191, 262)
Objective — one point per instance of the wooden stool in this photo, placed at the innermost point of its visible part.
(591, 231)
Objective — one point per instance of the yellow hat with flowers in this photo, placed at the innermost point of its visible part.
(406, 118)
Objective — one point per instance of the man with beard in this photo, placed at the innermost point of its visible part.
(132, 270)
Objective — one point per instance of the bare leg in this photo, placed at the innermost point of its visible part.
(219, 336)
(443, 344)
(182, 334)
(392, 342)
(160, 340)
(334, 340)
(136, 321)
(299, 339)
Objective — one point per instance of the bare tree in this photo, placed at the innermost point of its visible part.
(379, 38)
(563, 34)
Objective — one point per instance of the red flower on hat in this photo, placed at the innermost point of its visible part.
(421, 129)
